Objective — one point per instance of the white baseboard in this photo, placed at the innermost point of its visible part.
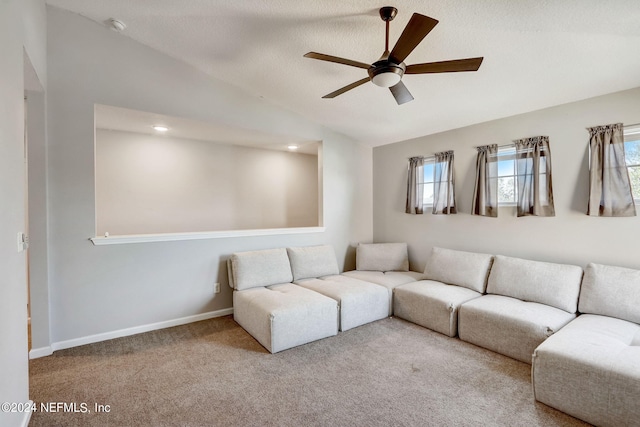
(35, 353)
(61, 345)
(27, 416)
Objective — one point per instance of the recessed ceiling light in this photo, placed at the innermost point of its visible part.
(161, 128)
(292, 147)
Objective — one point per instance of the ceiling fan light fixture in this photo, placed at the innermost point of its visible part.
(386, 79)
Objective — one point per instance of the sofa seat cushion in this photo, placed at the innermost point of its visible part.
(284, 316)
(359, 302)
(388, 279)
(591, 369)
(382, 257)
(611, 291)
(557, 285)
(508, 325)
(466, 269)
(432, 304)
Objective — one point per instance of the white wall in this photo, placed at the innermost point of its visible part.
(569, 237)
(100, 289)
(149, 184)
(18, 21)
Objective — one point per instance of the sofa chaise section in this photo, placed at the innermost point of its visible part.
(359, 302)
(385, 264)
(591, 368)
(526, 302)
(454, 277)
(277, 313)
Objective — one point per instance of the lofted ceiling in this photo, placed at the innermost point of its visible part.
(537, 53)
(124, 119)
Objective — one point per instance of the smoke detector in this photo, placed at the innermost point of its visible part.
(116, 24)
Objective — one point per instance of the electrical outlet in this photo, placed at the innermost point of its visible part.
(216, 288)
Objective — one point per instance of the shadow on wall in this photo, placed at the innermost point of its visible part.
(350, 258)
(581, 194)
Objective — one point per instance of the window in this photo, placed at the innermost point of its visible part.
(508, 176)
(507, 188)
(632, 158)
(428, 180)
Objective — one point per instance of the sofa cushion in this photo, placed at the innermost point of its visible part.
(431, 304)
(589, 369)
(388, 279)
(359, 302)
(382, 257)
(508, 325)
(259, 268)
(285, 316)
(557, 285)
(466, 269)
(611, 291)
(313, 261)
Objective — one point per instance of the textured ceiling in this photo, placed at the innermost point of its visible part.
(538, 53)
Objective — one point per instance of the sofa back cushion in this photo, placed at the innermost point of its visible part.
(557, 285)
(259, 268)
(313, 261)
(382, 257)
(611, 291)
(467, 269)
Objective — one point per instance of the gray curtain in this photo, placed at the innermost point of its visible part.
(533, 170)
(609, 186)
(444, 197)
(485, 193)
(415, 185)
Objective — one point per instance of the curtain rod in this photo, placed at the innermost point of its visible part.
(623, 125)
(433, 154)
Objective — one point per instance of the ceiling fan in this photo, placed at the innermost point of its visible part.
(389, 69)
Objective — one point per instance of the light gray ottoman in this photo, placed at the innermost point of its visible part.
(456, 277)
(591, 368)
(278, 314)
(360, 302)
(526, 302)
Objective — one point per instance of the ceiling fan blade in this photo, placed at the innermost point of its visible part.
(346, 88)
(416, 30)
(401, 93)
(338, 60)
(456, 65)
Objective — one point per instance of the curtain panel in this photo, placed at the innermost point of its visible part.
(533, 170)
(609, 186)
(485, 193)
(444, 198)
(415, 186)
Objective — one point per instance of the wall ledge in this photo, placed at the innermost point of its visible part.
(169, 237)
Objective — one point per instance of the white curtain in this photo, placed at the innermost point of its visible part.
(415, 185)
(444, 199)
(609, 186)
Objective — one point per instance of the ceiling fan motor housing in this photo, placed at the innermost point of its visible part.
(384, 71)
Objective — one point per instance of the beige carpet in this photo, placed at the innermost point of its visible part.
(212, 373)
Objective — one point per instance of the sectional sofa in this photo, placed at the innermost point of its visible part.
(581, 335)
